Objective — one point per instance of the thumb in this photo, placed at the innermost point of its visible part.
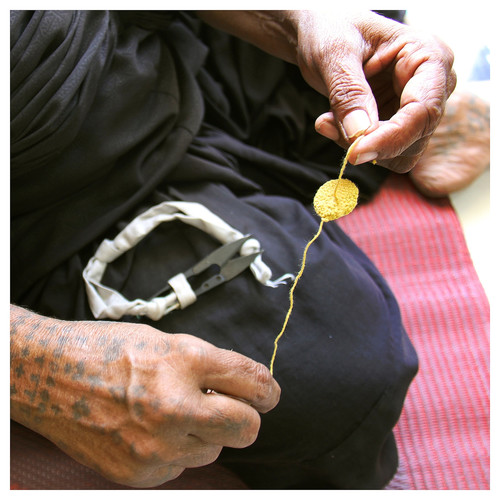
(351, 99)
(353, 107)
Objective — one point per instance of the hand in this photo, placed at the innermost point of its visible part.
(382, 78)
(133, 403)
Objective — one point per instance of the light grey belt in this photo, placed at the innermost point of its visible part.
(105, 302)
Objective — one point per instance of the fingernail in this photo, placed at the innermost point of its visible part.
(365, 157)
(327, 129)
(355, 123)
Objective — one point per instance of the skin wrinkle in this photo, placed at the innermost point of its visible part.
(345, 91)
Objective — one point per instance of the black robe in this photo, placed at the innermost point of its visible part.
(113, 112)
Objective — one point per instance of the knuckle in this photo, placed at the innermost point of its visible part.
(425, 115)
(190, 348)
(252, 429)
(144, 451)
(216, 418)
(178, 413)
(246, 432)
(400, 164)
(227, 427)
(442, 50)
(345, 91)
(263, 383)
(206, 456)
(434, 110)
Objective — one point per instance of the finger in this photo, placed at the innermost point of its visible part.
(228, 372)
(325, 125)
(422, 105)
(225, 421)
(351, 98)
(200, 453)
(406, 161)
(394, 138)
(424, 69)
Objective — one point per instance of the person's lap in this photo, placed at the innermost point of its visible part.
(344, 363)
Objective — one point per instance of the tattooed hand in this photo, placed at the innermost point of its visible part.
(133, 403)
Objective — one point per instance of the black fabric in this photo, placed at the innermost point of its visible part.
(396, 15)
(114, 112)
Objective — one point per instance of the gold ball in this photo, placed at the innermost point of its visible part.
(335, 199)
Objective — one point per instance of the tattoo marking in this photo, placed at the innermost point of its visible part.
(31, 395)
(80, 409)
(19, 371)
(113, 351)
(40, 360)
(56, 409)
(138, 409)
(119, 394)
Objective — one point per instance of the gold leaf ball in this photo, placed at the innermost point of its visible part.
(335, 199)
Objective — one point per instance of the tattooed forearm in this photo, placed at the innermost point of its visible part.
(73, 371)
(31, 381)
(49, 356)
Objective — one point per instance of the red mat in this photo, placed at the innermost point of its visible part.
(443, 434)
(419, 247)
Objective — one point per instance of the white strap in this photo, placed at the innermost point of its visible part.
(106, 302)
(182, 289)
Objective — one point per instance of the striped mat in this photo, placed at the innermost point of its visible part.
(418, 245)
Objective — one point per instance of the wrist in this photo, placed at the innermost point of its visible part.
(26, 339)
(272, 31)
(38, 359)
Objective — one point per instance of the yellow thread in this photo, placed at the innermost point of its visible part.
(302, 267)
(329, 207)
(348, 155)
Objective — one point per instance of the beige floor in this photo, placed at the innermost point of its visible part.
(473, 209)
